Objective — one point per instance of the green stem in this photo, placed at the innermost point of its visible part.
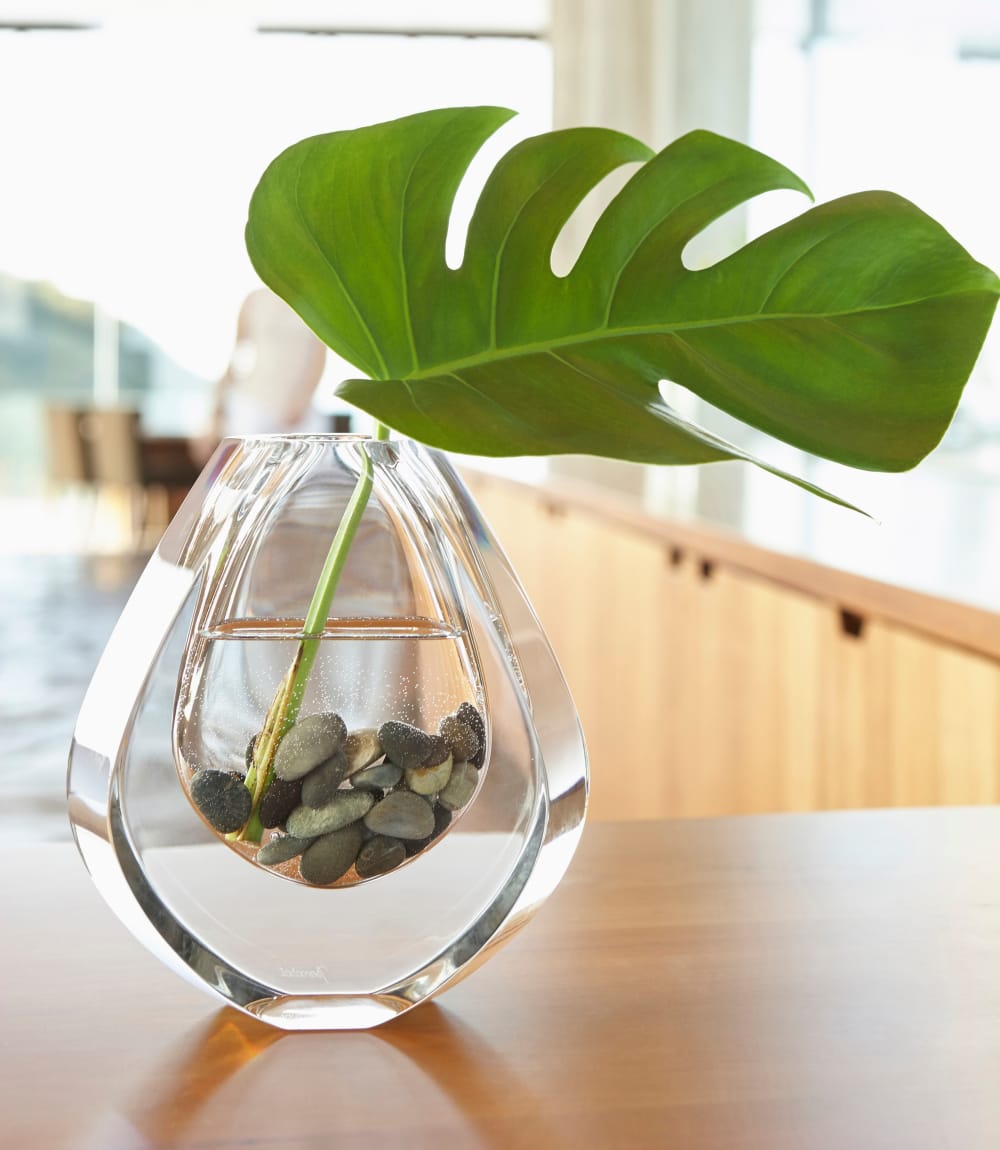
(284, 709)
(319, 608)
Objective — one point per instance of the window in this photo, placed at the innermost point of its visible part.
(138, 136)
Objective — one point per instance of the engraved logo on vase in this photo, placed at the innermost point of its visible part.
(304, 972)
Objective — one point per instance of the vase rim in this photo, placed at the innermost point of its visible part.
(305, 437)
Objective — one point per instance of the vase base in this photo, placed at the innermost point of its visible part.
(329, 1011)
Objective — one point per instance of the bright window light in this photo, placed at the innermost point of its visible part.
(135, 146)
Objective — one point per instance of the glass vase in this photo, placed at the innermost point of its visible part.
(383, 878)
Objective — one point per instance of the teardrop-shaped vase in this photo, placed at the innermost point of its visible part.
(417, 789)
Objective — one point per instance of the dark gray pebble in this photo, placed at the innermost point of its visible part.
(331, 856)
(282, 848)
(442, 820)
(222, 799)
(380, 777)
(379, 855)
(310, 742)
(280, 799)
(468, 714)
(401, 815)
(438, 752)
(460, 737)
(405, 744)
(320, 785)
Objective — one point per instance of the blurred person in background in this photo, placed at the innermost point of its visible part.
(271, 379)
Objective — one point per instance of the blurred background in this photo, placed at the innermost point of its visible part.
(133, 133)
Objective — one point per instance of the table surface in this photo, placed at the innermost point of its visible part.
(775, 982)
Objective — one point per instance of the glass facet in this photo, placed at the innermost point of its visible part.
(427, 618)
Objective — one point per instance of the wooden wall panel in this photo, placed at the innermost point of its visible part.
(854, 737)
(705, 689)
(968, 742)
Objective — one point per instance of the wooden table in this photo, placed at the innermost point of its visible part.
(795, 982)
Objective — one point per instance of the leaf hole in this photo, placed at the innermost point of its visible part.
(706, 569)
(471, 186)
(718, 240)
(575, 232)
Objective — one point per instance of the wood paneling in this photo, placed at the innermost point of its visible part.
(706, 688)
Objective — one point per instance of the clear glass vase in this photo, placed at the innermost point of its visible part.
(429, 636)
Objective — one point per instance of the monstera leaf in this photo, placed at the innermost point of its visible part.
(849, 331)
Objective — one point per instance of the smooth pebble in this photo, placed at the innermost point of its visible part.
(380, 777)
(401, 815)
(280, 799)
(331, 856)
(346, 807)
(405, 744)
(222, 798)
(429, 780)
(460, 787)
(321, 784)
(310, 742)
(282, 848)
(460, 737)
(442, 820)
(379, 855)
(362, 748)
(468, 714)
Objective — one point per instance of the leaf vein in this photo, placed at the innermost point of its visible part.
(613, 295)
(800, 256)
(403, 217)
(502, 246)
(578, 339)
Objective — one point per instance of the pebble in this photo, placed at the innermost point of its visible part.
(282, 848)
(380, 777)
(280, 799)
(460, 737)
(362, 748)
(429, 780)
(320, 785)
(439, 751)
(379, 855)
(405, 785)
(222, 798)
(460, 787)
(405, 744)
(401, 815)
(310, 742)
(468, 714)
(442, 820)
(331, 856)
(346, 807)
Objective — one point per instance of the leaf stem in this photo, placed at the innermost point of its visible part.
(285, 705)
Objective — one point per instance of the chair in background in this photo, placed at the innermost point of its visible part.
(112, 439)
(96, 468)
(68, 476)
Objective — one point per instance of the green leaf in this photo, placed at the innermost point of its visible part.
(849, 331)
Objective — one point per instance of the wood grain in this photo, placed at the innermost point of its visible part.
(811, 982)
